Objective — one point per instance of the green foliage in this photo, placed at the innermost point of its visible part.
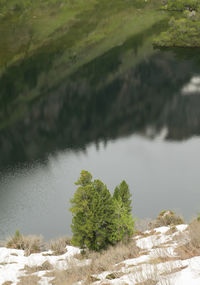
(183, 32)
(124, 220)
(181, 5)
(12, 6)
(17, 234)
(99, 219)
(184, 29)
(93, 214)
(122, 193)
(85, 178)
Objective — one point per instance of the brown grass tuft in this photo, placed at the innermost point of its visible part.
(147, 282)
(7, 283)
(174, 270)
(172, 230)
(114, 275)
(59, 246)
(29, 280)
(194, 234)
(30, 244)
(191, 247)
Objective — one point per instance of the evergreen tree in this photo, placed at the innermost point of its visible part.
(122, 192)
(123, 209)
(124, 222)
(93, 211)
(85, 178)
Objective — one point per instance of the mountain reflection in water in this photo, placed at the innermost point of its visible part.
(124, 115)
(85, 109)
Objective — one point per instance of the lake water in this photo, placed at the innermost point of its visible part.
(133, 114)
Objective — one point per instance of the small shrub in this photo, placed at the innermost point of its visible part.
(30, 244)
(59, 246)
(167, 218)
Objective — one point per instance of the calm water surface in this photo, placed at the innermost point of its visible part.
(133, 114)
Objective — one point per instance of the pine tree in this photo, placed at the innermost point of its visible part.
(123, 209)
(122, 192)
(93, 211)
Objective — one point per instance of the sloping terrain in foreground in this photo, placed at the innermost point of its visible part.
(163, 255)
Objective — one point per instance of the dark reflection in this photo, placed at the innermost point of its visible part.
(98, 102)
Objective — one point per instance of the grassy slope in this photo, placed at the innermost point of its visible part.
(25, 31)
(56, 41)
(77, 25)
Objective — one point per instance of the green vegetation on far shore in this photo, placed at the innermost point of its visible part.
(184, 25)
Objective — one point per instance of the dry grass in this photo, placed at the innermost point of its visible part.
(69, 276)
(186, 251)
(14, 254)
(162, 259)
(30, 244)
(45, 266)
(114, 275)
(100, 262)
(59, 246)
(112, 260)
(145, 275)
(191, 247)
(151, 275)
(6, 263)
(172, 230)
(175, 270)
(3, 263)
(7, 283)
(194, 234)
(147, 282)
(150, 233)
(29, 280)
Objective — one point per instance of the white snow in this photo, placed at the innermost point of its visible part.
(181, 228)
(159, 244)
(192, 87)
(158, 261)
(12, 262)
(152, 241)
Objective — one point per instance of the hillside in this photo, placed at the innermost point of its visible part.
(164, 255)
